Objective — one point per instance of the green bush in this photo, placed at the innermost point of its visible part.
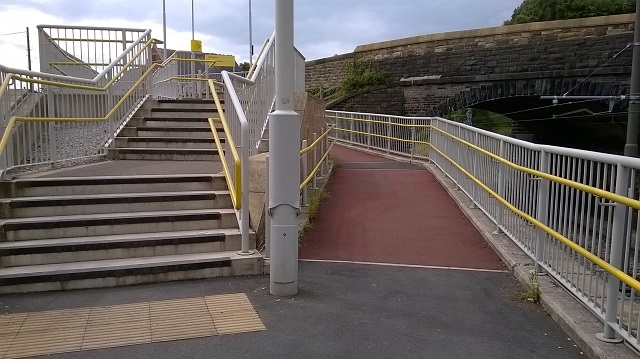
(361, 75)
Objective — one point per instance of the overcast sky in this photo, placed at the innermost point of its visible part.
(322, 27)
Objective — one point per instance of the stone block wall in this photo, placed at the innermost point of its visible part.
(545, 46)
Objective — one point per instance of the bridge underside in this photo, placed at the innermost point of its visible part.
(578, 124)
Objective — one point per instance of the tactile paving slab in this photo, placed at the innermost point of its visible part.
(24, 335)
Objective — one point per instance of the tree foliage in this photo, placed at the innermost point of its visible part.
(547, 10)
(245, 66)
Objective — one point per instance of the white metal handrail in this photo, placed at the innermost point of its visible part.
(564, 205)
(63, 111)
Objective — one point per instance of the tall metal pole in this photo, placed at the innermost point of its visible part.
(633, 122)
(193, 26)
(250, 38)
(28, 49)
(284, 162)
(164, 27)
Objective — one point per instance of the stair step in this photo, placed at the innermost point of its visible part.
(64, 186)
(164, 154)
(109, 203)
(187, 109)
(167, 142)
(167, 131)
(17, 229)
(118, 272)
(169, 121)
(162, 113)
(65, 250)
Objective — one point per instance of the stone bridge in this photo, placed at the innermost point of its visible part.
(505, 70)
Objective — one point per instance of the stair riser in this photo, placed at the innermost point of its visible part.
(123, 142)
(248, 266)
(204, 105)
(186, 115)
(166, 157)
(218, 184)
(96, 208)
(150, 132)
(228, 220)
(167, 122)
(58, 255)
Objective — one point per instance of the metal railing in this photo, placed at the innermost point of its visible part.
(48, 118)
(184, 76)
(83, 51)
(573, 212)
(313, 161)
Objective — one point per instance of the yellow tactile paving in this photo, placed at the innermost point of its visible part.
(52, 341)
(233, 313)
(180, 319)
(40, 333)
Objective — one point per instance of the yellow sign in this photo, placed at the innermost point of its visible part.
(196, 45)
(220, 60)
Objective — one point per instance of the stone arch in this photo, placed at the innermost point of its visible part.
(498, 90)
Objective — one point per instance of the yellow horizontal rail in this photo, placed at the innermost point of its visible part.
(178, 78)
(378, 121)
(316, 168)
(382, 136)
(315, 143)
(10, 77)
(14, 119)
(629, 202)
(630, 281)
(235, 184)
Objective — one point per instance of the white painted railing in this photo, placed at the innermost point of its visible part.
(575, 213)
(48, 118)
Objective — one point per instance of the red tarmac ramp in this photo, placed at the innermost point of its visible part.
(383, 211)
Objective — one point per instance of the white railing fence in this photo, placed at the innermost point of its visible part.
(49, 117)
(549, 218)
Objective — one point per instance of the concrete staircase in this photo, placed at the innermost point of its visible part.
(75, 229)
(169, 130)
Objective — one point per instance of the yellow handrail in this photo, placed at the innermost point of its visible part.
(310, 147)
(633, 283)
(12, 76)
(235, 187)
(14, 119)
(378, 121)
(316, 168)
(629, 202)
(255, 63)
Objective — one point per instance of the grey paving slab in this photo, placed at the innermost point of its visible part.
(346, 311)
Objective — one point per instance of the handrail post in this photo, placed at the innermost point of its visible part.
(501, 175)
(323, 148)
(315, 160)
(267, 216)
(305, 173)
(615, 258)
(542, 211)
(388, 134)
(244, 175)
(369, 132)
(412, 145)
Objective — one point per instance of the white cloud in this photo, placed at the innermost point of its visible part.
(323, 28)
